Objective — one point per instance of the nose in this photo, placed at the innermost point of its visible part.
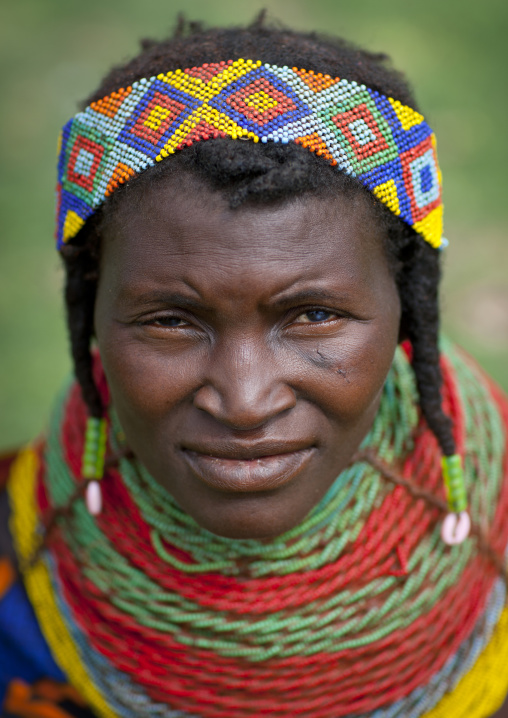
(244, 387)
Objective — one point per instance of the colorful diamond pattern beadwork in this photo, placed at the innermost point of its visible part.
(157, 117)
(421, 179)
(84, 160)
(363, 136)
(389, 147)
(262, 104)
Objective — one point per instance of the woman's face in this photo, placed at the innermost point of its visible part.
(245, 349)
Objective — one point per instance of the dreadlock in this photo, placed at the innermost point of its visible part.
(246, 171)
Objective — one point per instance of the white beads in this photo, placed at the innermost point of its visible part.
(295, 105)
(94, 498)
(456, 528)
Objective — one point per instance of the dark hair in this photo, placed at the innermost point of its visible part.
(246, 171)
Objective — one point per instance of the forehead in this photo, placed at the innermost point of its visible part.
(181, 217)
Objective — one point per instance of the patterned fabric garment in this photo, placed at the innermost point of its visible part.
(31, 684)
(446, 658)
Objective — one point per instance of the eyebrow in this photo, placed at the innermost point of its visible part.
(175, 299)
(167, 298)
(312, 295)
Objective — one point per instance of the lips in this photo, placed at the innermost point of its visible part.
(243, 469)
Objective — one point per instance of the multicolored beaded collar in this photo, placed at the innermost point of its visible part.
(389, 147)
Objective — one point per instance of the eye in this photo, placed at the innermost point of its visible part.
(167, 321)
(313, 316)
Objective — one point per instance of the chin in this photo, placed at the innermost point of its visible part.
(246, 532)
(253, 520)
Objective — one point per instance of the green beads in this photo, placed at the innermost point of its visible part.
(453, 476)
(92, 466)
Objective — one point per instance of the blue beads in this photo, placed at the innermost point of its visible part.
(353, 127)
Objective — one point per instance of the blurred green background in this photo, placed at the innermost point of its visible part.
(53, 53)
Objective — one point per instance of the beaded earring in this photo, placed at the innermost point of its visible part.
(457, 524)
(92, 466)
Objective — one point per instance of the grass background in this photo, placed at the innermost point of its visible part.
(54, 52)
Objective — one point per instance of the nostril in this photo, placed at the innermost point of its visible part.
(244, 409)
(208, 399)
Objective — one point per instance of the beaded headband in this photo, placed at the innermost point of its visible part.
(386, 145)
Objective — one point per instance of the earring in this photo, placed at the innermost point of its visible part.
(457, 523)
(92, 466)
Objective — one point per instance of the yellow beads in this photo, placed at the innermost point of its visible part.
(387, 193)
(21, 489)
(408, 118)
(72, 225)
(483, 689)
(431, 227)
(388, 146)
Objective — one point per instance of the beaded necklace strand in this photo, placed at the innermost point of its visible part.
(360, 610)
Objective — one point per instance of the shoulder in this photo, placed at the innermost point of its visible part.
(31, 684)
(480, 410)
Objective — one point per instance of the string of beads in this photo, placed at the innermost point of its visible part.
(360, 610)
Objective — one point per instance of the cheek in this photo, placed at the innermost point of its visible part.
(144, 383)
(356, 369)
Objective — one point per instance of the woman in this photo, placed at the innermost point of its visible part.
(239, 508)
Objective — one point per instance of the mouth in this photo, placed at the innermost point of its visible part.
(244, 471)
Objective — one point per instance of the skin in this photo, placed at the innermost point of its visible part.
(245, 349)
(239, 369)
